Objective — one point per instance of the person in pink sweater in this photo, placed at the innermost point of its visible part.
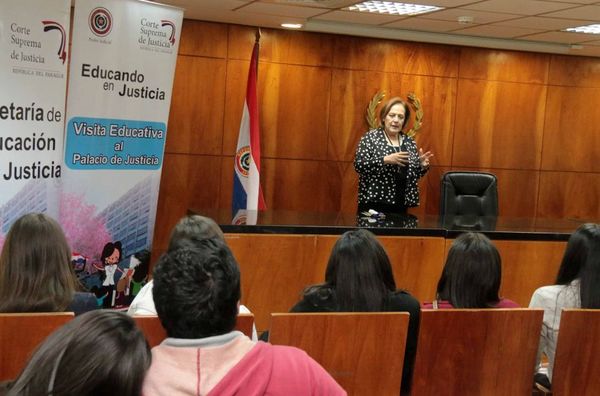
(196, 294)
(471, 276)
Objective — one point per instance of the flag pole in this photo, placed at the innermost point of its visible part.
(247, 193)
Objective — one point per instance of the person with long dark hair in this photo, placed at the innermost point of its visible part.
(97, 353)
(577, 285)
(359, 278)
(109, 258)
(36, 274)
(471, 276)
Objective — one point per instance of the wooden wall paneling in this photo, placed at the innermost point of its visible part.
(572, 131)
(301, 185)
(226, 190)
(358, 53)
(235, 95)
(275, 269)
(517, 192)
(438, 99)
(293, 105)
(282, 46)
(574, 71)
(527, 265)
(430, 191)
(351, 92)
(569, 194)
(200, 38)
(502, 65)
(417, 263)
(188, 181)
(349, 187)
(197, 106)
(241, 42)
(499, 125)
(318, 113)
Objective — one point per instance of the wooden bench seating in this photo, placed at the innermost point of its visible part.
(364, 352)
(476, 352)
(576, 364)
(21, 333)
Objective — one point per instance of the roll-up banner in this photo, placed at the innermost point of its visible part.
(120, 81)
(33, 76)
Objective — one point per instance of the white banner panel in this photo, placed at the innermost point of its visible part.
(33, 75)
(121, 77)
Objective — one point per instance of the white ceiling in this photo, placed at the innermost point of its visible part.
(529, 25)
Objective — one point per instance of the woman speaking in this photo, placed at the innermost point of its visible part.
(388, 163)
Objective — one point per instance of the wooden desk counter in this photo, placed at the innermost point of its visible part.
(287, 251)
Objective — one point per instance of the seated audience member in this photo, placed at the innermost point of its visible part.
(196, 294)
(97, 353)
(359, 278)
(471, 276)
(577, 286)
(188, 231)
(36, 274)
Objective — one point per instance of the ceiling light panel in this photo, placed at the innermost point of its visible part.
(393, 8)
(589, 29)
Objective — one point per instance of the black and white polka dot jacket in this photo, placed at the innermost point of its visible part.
(376, 179)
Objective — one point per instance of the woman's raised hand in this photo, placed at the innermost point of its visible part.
(424, 158)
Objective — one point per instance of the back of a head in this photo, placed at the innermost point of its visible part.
(35, 266)
(580, 244)
(193, 228)
(97, 353)
(472, 273)
(582, 261)
(360, 272)
(197, 289)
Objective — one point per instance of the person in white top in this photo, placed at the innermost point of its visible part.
(188, 230)
(577, 286)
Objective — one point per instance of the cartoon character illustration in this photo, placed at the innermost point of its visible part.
(78, 261)
(127, 287)
(140, 276)
(86, 273)
(111, 255)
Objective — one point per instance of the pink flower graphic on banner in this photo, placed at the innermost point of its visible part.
(85, 231)
(1, 236)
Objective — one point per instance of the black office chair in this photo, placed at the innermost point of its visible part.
(469, 200)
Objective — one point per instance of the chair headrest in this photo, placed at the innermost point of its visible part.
(470, 183)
